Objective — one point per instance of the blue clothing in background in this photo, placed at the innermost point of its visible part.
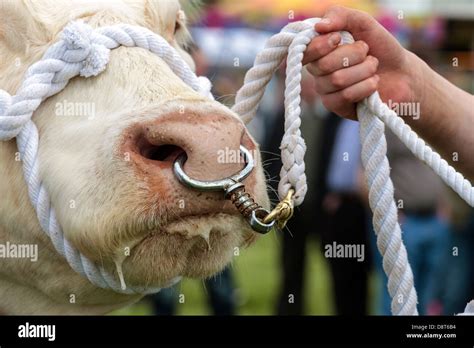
(345, 158)
(427, 240)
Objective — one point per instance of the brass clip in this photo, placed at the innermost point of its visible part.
(283, 211)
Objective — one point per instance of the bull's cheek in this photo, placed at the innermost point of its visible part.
(115, 228)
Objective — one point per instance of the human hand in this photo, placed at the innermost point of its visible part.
(347, 74)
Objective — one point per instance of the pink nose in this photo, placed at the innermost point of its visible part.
(211, 143)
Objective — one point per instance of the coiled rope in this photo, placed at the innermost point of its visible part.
(85, 51)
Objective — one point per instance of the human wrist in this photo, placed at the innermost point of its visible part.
(416, 72)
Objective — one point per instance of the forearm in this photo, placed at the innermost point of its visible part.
(446, 119)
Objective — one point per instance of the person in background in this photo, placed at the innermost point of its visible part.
(220, 290)
(456, 274)
(347, 222)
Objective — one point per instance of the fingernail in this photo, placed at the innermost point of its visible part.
(334, 39)
(325, 21)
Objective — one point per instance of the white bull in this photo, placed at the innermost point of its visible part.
(106, 150)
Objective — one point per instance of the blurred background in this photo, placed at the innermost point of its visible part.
(286, 272)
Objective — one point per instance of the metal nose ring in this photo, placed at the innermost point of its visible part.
(215, 185)
(233, 189)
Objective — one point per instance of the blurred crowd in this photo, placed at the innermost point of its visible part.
(438, 228)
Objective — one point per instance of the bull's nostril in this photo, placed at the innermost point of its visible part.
(163, 153)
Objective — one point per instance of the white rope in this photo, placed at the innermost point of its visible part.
(85, 52)
(372, 114)
(418, 147)
(469, 310)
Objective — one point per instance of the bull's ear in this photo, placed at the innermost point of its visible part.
(18, 27)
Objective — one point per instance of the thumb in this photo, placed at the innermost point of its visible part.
(339, 18)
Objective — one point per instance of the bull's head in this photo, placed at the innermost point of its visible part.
(106, 151)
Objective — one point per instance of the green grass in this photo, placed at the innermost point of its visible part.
(257, 276)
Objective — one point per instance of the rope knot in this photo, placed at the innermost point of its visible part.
(79, 41)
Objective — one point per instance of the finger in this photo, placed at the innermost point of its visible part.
(320, 46)
(344, 78)
(343, 102)
(342, 57)
(339, 18)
